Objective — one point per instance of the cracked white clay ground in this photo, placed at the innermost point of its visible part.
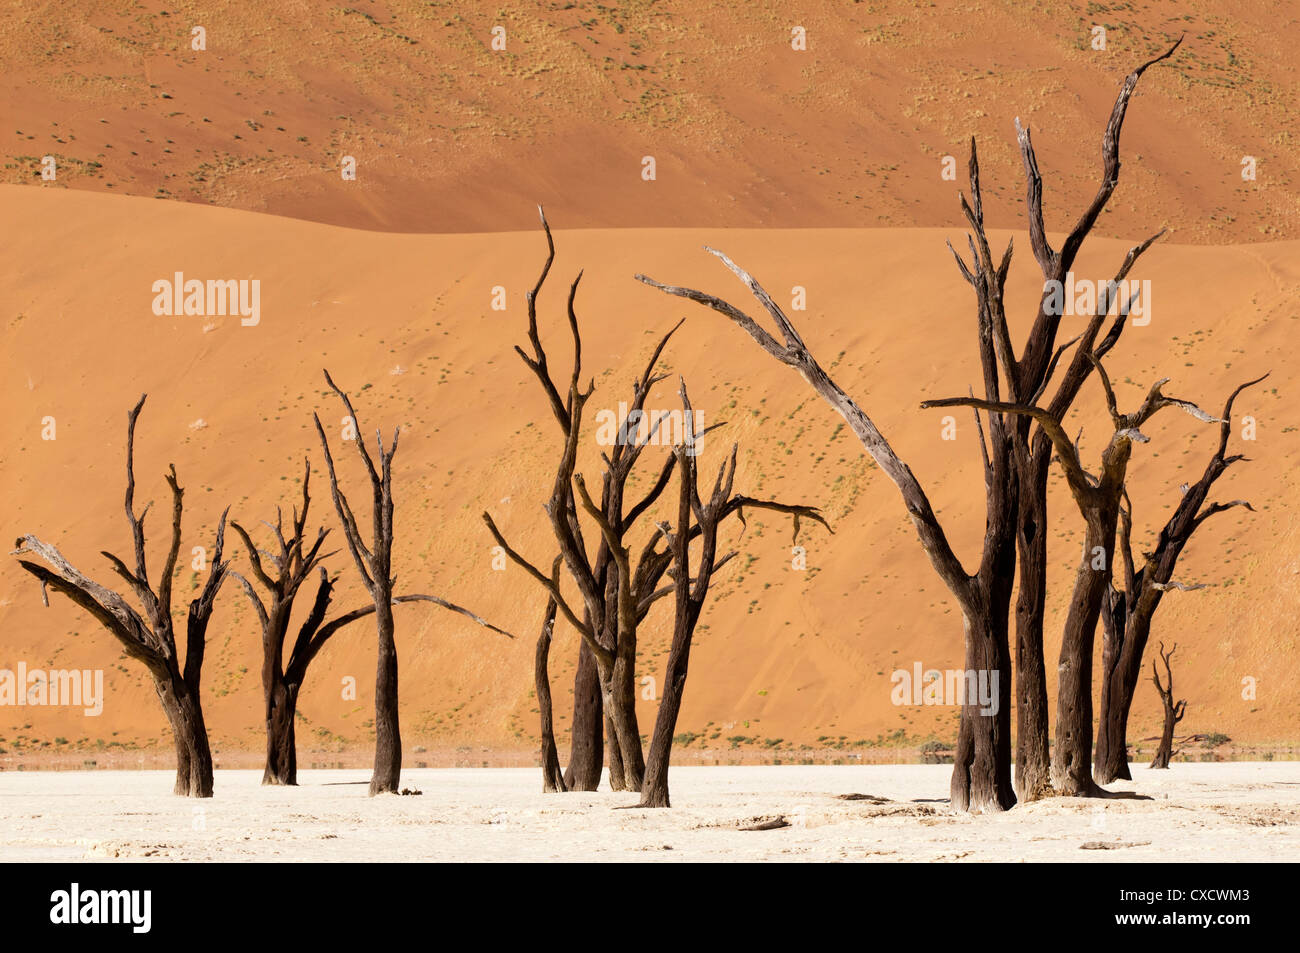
(1240, 811)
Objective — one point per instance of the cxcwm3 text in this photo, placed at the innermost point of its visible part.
(179, 295)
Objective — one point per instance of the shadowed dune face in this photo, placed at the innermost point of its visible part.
(451, 135)
(405, 323)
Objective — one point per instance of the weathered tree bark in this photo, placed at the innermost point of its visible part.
(193, 755)
(1033, 758)
(1129, 612)
(587, 734)
(1174, 712)
(388, 734)
(148, 635)
(552, 778)
(281, 738)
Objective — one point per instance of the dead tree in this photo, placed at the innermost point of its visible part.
(552, 776)
(1033, 451)
(607, 636)
(616, 588)
(148, 634)
(280, 682)
(982, 772)
(1128, 613)
(293, 560)
(375, 565)
(689, 592)
(1098, 499)
(1015, 471)
(1173, 712)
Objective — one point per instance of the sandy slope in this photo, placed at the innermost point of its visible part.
(451, 136)
(405, 322)
(1192, 813)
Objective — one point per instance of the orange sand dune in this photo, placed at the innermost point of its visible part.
(404, 322)
(450, 135)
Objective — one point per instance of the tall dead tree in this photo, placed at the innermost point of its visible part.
(1099, 500)
(148, 634)
(374, 564)
(608, 636)
(1033, 451)
(689, 592)
(1174, 712)
(982, 770)
(281, 683)
(1015, 466)
(617, 588)
(1128, 613)
(293, 560)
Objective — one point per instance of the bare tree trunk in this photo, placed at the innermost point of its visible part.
(1110, 761)
(691, 589)
(388, 736)
(687, 606)
(1117, 701)
(586, 736)
(552, 779)
(1173, 711)
(620, 708)
(981, 777)
(185, 716)
(281, 747)
(654, 791)
(1072, 755)
(1033, 759)
(613, 753)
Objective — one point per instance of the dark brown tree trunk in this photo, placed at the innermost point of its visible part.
(617, 776)
(691, 588)
(281, 746)
(1033, 757)
(981, 777)
(654, 791)
(1072, 755)
(185, 716)
(552, 779)
(1118, 702)
(587, 734)
(1110, 761)
(1173, 711)
(388, 735)
(1166, 749)
(619, 698)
